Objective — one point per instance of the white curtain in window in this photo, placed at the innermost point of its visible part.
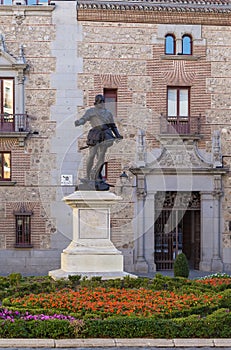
(172, 102)
(8, 96)
(183, 103)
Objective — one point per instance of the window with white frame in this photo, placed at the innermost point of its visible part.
(178, 99)
(12, 96)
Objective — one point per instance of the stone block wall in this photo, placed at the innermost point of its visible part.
(31, 163)
(218, 116)
(130, 57)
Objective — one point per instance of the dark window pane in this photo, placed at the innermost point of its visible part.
(23, 232)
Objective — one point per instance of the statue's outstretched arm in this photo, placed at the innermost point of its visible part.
(79, 122)
(85, 118)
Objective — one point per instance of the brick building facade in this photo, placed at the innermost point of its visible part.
(164, 69)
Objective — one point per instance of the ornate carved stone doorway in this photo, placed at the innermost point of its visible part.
(177, 228)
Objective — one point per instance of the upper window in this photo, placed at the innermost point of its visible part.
(170, 44)
(186, 45)
(178, 101)
(5, 166)
(7, 104)
(110, 96)
(7, 95)
(12, 98)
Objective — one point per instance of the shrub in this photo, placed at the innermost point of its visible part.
(181, 268)
(15, 279)
(130, 328)
(215, 325)
(225, 301)
(54, 329)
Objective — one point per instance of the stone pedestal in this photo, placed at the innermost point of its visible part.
(91, 252)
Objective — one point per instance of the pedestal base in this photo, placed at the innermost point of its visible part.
(91, 253)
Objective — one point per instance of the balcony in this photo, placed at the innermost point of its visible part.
(11, 123)
(180, 125)
(14, 126)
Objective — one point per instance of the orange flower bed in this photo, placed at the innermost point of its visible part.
(215, 281)
(111, 301)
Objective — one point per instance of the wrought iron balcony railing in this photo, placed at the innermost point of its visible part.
(13, 123)
(180, 125)
(25, 2)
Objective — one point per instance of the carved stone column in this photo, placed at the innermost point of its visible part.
(20, 97)
(217, 264)
(207, 231)
(210, 231)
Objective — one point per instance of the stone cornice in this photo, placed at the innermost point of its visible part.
(214, 12)
(178, 171)
(26, 10)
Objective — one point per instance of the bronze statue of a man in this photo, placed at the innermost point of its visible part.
(100, 137)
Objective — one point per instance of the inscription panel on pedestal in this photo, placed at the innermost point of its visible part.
(94, 224)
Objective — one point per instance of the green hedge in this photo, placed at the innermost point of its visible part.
(216, 325)
(54, 329)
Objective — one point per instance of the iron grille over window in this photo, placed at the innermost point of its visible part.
(23, 229)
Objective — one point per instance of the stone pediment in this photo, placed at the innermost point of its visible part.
(181, 154)
(181, 158)
(8, 61)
